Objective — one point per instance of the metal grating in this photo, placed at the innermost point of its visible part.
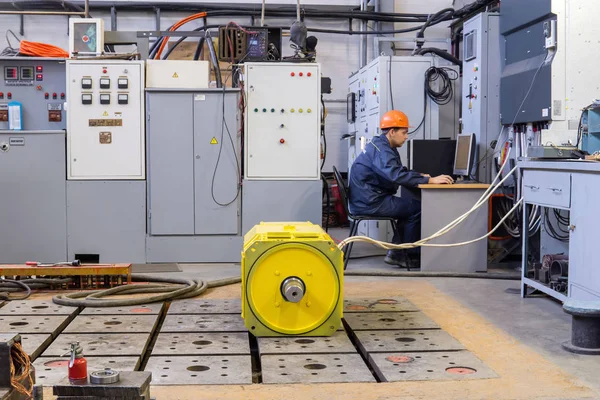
(122, 344)
(454, 365)
(314, 368)
(389, 320)
(200, 370)
(337, 343)
(408, 340)
(205, 343)
(112, 324)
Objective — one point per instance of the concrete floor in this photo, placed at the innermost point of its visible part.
(519, 338)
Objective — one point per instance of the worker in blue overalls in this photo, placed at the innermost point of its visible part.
(375, 177)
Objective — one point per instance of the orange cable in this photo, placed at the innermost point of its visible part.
(175, 27)
(37, 49)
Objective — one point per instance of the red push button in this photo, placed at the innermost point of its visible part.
(308, 74)
(293, 74)
(9, 95)
(46, 95)
(300, 74)
(282, 141)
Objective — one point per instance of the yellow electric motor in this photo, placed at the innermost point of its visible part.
(292, 280)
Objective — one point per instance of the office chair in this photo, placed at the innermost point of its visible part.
(355, 220)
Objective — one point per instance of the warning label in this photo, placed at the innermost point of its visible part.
(175, 75)
(105, 114)
(214, 141)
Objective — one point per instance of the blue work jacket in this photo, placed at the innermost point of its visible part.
(376, 174)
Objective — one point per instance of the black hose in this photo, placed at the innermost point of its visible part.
(199, 49)
(437, 16)
(444, 54)
(175, 289)
(215, 61)
(9, 283)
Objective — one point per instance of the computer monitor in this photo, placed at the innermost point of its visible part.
(464, 155)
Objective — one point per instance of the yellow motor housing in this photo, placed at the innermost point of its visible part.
(292, 280)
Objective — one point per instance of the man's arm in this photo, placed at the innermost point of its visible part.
(387, 165)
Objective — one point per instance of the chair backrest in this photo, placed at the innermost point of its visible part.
(343, 189)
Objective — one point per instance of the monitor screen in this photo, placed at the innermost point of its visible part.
(465, 145)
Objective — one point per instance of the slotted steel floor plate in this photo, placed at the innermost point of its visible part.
(153, 308)
(33, 344)
(378, 305)
(35, 307)
(204, 343)
(112, 324)
(453, 365)
(314, 368)
(204, 323)
(336, 343)
(213, 306)
(51, 370)
(389, 320)
(33, 324)
(123, 344)
(200, 370)
(407, 340)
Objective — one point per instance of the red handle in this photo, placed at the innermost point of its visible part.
(34, 263)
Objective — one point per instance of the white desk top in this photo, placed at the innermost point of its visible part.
(455, 186)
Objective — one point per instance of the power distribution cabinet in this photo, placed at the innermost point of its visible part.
(283, 118)
(38, 85)
(388, 83)
(105, 120)
(193, 171)
(481, 87)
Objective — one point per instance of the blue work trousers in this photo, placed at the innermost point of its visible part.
(407, 213)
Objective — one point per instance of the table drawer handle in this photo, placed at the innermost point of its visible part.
(532, 187)
(556, 190)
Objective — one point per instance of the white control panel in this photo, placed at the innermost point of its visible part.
(283, 121)
(105, 125)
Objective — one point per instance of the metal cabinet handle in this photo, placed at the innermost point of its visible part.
(532, 187)
(556, 190)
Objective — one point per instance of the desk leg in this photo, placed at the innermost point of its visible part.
(525, 238)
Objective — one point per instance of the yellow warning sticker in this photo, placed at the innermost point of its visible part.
(105, 114)
(175, 75)
(214, 141)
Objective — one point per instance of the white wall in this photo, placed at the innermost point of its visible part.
(338, 54)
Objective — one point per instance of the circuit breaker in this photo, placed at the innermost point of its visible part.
(32, 94)
(105, 124)
(283, 121)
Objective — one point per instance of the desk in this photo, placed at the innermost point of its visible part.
(442, 204)
(574, 186)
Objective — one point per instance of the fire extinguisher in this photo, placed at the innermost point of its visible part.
(77, 364)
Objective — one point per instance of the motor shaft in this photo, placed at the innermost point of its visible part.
(293, 289)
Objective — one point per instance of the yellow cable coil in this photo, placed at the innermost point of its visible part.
(292, 280)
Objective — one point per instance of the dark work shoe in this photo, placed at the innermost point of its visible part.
(414, 262)
(394, 258)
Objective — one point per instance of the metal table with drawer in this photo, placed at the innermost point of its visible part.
(574, 186)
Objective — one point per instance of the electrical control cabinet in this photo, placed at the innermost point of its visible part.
(283, 121)
(105, 120)
(481, 87)
(388, 83)
(38, 86)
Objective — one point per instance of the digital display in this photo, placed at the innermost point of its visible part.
(11, 73)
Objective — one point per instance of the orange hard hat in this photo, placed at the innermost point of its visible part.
(394, 119)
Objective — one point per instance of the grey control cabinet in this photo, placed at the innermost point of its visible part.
(193, 148)
(33, 220)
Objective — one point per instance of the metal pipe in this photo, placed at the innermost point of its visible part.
(298, 10)
(87, 8)
(262, 14)
(363, 41)
(42, 12)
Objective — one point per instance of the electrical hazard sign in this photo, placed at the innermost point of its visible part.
(175, 75)
(105, 114)
(214, 141)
